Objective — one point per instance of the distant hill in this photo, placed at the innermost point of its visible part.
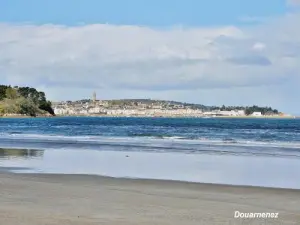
(176, 104)
(248, 109)
(163, 102)
(23, 100)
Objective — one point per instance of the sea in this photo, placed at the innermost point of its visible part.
(252, 152)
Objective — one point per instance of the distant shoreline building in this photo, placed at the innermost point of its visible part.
(257, 114)
(145, 108)
(94, 98)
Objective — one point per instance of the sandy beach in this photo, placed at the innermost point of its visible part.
(31, 199)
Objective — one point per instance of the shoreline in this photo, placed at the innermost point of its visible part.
(7, 171)
(34, 199)
(199, 168)
(153, 116)
(24, 116)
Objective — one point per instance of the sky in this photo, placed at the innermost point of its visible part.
(213, 52)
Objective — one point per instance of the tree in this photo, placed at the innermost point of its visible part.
(2, 109)
(248, 111)
(3, 91)
(23, 100)
(11, 93)
(46, 106)
(27, 107)
(39, 98)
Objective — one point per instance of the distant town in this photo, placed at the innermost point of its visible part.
(27, 101)
(156, 108)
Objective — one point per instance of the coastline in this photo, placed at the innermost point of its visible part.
(204, 167)
(150, 116)
(34, 199)
(25, 116)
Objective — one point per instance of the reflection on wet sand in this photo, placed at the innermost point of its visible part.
(221, 169)
(7, 153)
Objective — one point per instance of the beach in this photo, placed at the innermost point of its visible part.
(160, 171)
(37, 199)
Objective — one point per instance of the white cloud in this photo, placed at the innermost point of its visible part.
(132, 61)
(259, 46)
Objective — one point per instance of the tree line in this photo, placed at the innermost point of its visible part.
(248, 109)
(23, 100)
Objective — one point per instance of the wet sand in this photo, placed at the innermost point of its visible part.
(30, 199)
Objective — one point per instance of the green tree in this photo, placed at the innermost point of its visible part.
(46, 106)
(11, 93)
(23, 100)
(3, 91)
(2, 109)
(26, 107)
(39, 98)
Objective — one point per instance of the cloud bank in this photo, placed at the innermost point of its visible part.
(173, 63)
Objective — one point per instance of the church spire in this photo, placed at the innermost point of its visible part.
(94, 96)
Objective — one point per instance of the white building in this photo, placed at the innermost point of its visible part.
(256, 114)
(94, 110)
(227, 113)
(241, 112)
(60, 111)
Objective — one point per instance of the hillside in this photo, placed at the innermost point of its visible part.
(166, 104)
(23, 101)
(248, 109)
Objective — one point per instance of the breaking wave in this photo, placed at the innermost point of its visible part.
(152, 144)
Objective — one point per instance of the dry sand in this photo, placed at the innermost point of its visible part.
(84, 200)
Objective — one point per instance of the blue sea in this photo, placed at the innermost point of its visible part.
(259, 152)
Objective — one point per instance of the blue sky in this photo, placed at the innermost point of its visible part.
(139, 12)
(213, 52)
